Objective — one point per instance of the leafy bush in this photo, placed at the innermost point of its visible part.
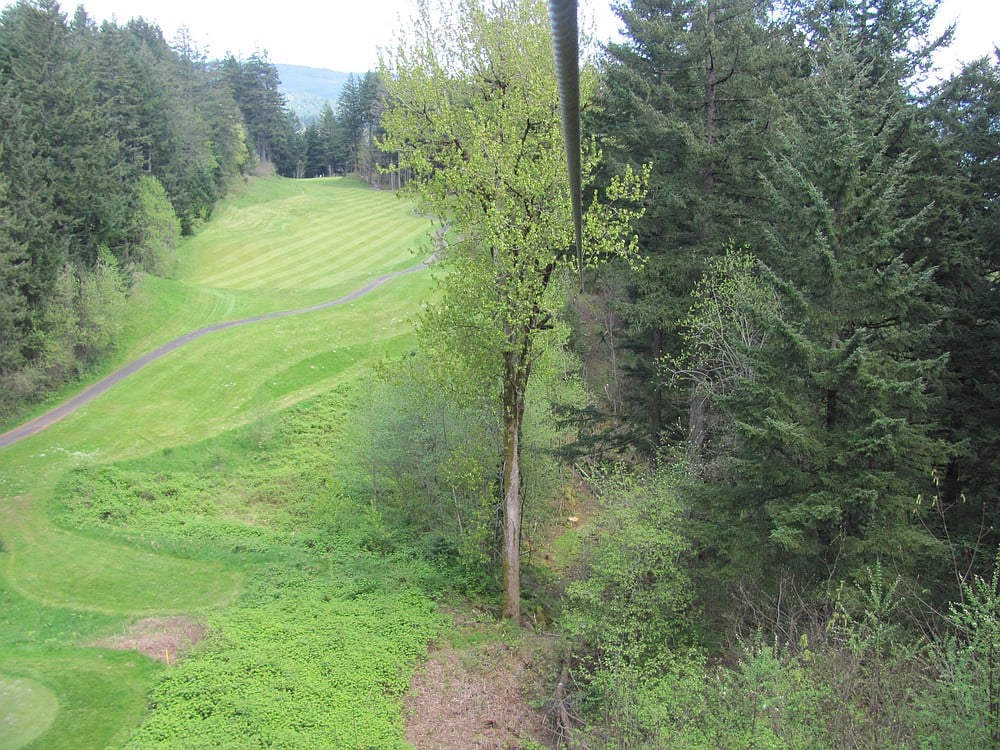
(100, 306)
(854, 677)
(295, 664)
(768, 699)
(963, 713)
(634, 603)
(432, 456)
(159, 226)
(74, 328)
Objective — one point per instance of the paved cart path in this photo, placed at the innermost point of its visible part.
(49, 418)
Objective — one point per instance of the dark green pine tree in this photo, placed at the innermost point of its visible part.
(370, 156)
(835, 437)
(350, 117)
(118, 92)
(327, 140)
(35, 248)
(255, 87)
(67, 191)
(15, 266)
(358, 111)
(291, 155)
(50, 72)
(315, 165)
(963, 176)
(204, 143)
(690, 91)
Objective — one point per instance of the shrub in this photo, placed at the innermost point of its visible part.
(635, 599)
(963, 713)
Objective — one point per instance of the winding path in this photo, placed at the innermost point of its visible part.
(49, 418)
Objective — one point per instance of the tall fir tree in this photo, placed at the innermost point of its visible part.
(834, 436)
(690, 91)
(963, 177)
(47, 69)
(254, 84)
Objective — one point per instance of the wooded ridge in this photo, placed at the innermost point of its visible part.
(739, 454)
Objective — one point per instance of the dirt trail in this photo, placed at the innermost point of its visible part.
(49, 418)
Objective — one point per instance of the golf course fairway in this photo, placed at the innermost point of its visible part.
(74, 579)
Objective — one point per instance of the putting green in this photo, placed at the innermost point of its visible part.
(27, 709)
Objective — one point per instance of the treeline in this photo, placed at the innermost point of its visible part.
(792, 419)
(344, 138)
(808, 358)
(114, 143)
(814, 331)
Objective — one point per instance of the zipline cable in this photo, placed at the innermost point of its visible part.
(565, 33)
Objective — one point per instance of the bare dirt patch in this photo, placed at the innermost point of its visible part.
(163, 638)
(476, 697)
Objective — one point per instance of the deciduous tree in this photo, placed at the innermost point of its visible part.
(474, 113)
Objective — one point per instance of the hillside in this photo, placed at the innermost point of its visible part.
(214, 499)
(307, 89)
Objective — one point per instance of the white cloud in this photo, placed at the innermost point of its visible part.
(345, 34)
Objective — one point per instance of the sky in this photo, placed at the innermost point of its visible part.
(344, 35)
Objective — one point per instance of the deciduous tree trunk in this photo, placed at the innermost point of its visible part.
(512, 521)
(516, 371)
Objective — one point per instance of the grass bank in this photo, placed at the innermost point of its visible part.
(222, 484)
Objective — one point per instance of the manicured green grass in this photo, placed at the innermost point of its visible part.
(101, 694)
(276, 248)
(330, 237)
(271, 240)
(27, 708)
(226, 491)
(234, 376)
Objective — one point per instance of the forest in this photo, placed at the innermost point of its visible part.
(116, 144)
(761, 398)
(788, 386)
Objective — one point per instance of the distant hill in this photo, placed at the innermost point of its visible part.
(307, 89)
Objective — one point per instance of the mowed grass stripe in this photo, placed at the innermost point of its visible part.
(321, 258)
(355, 265)
(165, 309)
(236, 254)
(327, 257)
(224, 379)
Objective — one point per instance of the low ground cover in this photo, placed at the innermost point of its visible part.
(198, 488)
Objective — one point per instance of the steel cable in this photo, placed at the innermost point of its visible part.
(566, 38)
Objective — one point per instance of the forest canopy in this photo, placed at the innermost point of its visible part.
(114, 143)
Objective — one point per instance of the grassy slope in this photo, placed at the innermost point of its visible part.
(280, 245)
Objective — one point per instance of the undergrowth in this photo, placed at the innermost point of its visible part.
(319, 648)
(864, 666)
(254, 495)
(304, 660)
